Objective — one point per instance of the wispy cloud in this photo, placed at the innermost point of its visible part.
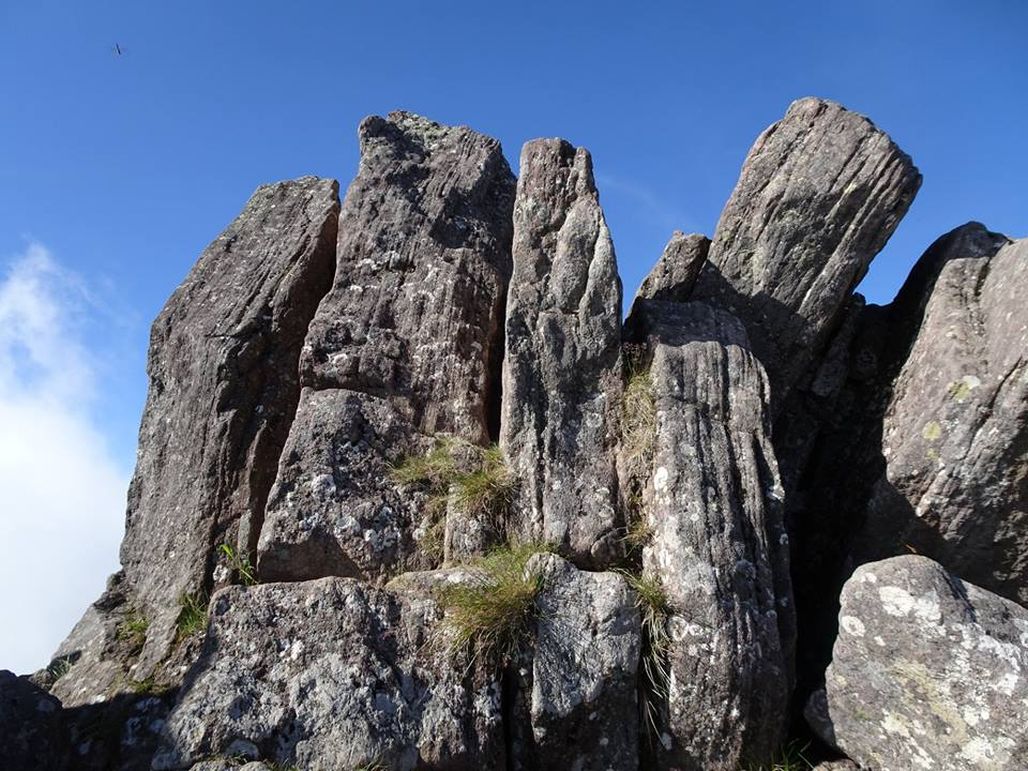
(63, 494)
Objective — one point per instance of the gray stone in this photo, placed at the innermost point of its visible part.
(414, 325)
(955, 431)
(928, 671)
(223, 388)
(562, 371)
(334, 509)
(332, 674)
(675, 273)
(33, 736)
(577, 706)
(712, 501)
(820, 193)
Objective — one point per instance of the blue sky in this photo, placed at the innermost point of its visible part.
(116, 171)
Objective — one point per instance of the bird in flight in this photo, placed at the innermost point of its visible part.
(118, 50)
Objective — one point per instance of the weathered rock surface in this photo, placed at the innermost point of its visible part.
(407, 344)
(928, 671)
(820, 193)
(562, 371)
(335, 509)
(332, 674)
(675, 273)
(869, 482)
(33, 736)
(712, 501)
(577, 706)
(223, 388)
(955, 432)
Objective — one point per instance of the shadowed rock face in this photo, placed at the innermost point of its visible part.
(713, 503)
(928, 671)
(955, 433)
(922, 447)
(223, 389)
(820, 193)
(562, 371)
(407, 344)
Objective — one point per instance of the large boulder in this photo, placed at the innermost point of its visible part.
(406, 345)
(223, 388)
(562, 370)
(928, 671)
(955, 431)
(576, 706)
(332, 674)
(820, 193)
(711, 504)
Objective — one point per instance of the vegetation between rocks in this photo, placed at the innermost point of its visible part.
(192, 616)
(132, 630)
(239, 564)
(490, 618)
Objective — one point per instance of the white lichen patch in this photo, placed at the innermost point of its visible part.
(853, 625)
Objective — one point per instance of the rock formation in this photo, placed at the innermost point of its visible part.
(406, 345)
(562, 370)
(928, 671)
(820, 193)
(451, 514)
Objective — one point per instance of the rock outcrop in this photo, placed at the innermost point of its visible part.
(332, 674)
(820, 193)
(711, 505)
(955, 431)
(562, 370)
(473, 521)
(406, 345)
(576, 706)
(223, 390)
(928, 671)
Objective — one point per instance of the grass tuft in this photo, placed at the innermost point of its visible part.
(490, 618)
(655, 609)
(192, 616)
(638, 414)
(132, 630)
(789, 757)
(489, 490)
(59, 667)
(238, 563)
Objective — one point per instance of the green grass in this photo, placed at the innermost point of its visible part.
(490, 619)
(132, 630)
(485, 491)
(192, 616)
(638, 414)
(58, 668)
(654, 609)
(238, 563)
(489, 490)
(788, 758)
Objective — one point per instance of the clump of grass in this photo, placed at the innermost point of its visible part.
(238, 563)
(59, 667)
(192, 616)
(480, 485)
(132, 630)
(436, 469)
(638, 413)
(788, 758)
(487, 491)
(490, 618)
(638, 533)
(655, 609)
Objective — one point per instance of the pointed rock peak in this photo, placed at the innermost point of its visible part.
(820, 193)
(673, 277)
(562, 371)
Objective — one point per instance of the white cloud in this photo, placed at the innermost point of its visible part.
(62, 495)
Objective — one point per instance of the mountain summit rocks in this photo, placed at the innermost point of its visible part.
(411, 496)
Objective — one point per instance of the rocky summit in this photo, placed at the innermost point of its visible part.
(411, 495)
